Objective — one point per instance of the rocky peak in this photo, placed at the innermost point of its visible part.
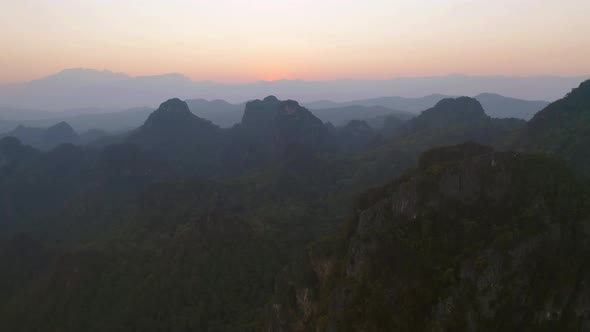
(260, 113)
(172, 108)
(173, 114)
(449, 112)
(457, 109)
(271, 113)
(271, 99)
(270, 126)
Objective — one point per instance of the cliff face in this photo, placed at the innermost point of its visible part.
(269, 128)
(277, 124)
(472, 239)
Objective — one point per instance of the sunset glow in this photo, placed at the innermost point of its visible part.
(239, 40)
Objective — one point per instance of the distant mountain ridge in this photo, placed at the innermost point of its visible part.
(453, 121)
(495, 105)
(81, 88)
(52, 136)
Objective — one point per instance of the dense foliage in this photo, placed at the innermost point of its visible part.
(472, 240)
(181, 225)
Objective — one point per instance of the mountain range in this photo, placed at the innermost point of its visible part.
(226, 114)
(447, 220)
(83, 88)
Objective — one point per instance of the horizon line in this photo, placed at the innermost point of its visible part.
(222, 82)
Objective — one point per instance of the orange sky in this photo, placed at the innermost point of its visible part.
(239, 40)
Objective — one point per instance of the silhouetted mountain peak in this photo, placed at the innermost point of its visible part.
(564, 110)
(452, 111)
(270, 111)
(260, 112)
(270, 125)
(563, 128)
(59, 133)
(461, 105)
(453, 121)
(173, 114)
(173, 133)
(61, 127)
(271, 98)
(582, 92)
(174, 105)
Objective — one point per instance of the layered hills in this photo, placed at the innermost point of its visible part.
(272, 224)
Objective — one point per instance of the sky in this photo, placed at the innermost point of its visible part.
(250, 40)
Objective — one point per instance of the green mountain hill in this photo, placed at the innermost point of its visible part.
(563, 128)
(470, 240)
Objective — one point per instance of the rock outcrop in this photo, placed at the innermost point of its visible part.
(471, 240)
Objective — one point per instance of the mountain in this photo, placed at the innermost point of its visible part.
(532, 88)
(45, 138)
(283, 120)
(498, 106)
(342, 115)
(121, 223)
(175, 134)
(471, 240)
(82, 88)
(453, 121)
(217, 111)
(563, 128)
(495, 105)
(355, 136)
(182, 225)
(59, 134)
(268, 128)
(404, 104)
